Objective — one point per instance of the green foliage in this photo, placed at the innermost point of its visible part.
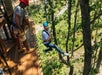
(92, 72)
(51, 64)
(35, 12)
(96, 70)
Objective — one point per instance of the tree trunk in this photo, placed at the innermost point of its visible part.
(68, 36)
(45, 9)
(71, 70)
(8, 11)
(69, 26)
(75, 19)
(53, 22)
(6, 32)
(8, 7)
(84, 4)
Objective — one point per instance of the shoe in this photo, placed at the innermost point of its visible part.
(47, 50)
(44, 51)
(66, 54)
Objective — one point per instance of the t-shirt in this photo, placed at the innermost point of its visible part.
(21, 12)
(45, 35)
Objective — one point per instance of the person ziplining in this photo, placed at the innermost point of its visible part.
(46, 37)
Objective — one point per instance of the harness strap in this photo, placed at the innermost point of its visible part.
(46, 32)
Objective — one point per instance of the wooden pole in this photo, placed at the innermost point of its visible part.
(8, 11)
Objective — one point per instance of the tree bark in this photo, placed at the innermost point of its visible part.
(8, 11)
(6, 32)
(71, 70)
(84, 4)
(53, 22)
(68, 36)
(69, 26)
(45, 9)
(73, 40)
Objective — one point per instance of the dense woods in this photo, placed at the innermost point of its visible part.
(77, 30)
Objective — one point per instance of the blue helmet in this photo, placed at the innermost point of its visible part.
(45, 24)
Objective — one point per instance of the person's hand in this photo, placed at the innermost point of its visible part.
(51, 34)
(26, 21)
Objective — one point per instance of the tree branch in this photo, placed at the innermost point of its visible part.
(95, 18)
(62, 60)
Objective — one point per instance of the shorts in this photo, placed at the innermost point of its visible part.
(18, 33)
(22, 36)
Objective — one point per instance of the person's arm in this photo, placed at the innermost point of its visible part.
(26, 20)
(49, 38)
(17, 19)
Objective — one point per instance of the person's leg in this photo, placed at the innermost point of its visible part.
(56, 47)
(16, 36)
(18, 43)
(25, 43)
(48, 48)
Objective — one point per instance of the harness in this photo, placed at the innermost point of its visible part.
(46, 32)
